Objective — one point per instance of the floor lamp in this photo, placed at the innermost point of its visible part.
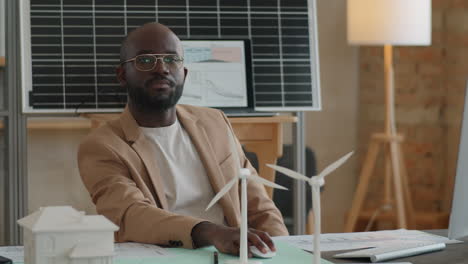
(387, 23)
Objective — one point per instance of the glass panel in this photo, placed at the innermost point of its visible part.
(3, 130)
(2, 88)
(3, 172)
(2, 54)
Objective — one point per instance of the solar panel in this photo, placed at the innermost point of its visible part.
(71, 47)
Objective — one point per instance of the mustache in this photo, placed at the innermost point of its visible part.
(157, 78)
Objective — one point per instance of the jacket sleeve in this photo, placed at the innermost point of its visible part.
(118, 197)
(262, 212)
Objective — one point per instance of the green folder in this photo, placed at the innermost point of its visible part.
(284, 254)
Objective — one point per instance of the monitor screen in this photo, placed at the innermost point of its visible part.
(458, 226)
(217, 73)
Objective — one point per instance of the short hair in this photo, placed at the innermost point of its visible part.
(126, 41)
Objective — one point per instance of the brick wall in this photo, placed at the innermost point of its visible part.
(429, 95)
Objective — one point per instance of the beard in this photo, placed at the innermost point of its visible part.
(145, 102)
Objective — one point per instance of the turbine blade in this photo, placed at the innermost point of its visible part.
(288, 172)
(222, 192)
(265, 182)
(335, 165)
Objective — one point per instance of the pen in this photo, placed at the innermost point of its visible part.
(215, 257)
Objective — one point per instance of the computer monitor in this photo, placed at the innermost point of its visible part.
(458, 226)
(219, 73)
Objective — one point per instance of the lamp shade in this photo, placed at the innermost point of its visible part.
(389, 22)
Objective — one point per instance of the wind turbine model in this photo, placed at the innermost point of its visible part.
(244, 175)
(315, 183)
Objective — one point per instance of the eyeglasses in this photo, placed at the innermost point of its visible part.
(147, 62)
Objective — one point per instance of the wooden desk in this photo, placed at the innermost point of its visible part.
(261, 135)
(2, 61)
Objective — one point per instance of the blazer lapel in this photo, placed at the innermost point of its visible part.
(144, 149)
(207, 155)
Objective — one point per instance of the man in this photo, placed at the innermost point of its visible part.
(154, 170)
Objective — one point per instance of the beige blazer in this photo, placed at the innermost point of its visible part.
(118, 167)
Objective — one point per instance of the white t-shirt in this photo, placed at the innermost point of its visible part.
(187, 187)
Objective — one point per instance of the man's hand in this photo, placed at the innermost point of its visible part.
(227, 239)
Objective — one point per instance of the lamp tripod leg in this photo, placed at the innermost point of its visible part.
(406, 191)
(397, 183)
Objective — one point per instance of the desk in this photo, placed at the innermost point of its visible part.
(452, 254)
(261, 135)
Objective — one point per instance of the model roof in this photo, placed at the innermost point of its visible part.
(65, 219)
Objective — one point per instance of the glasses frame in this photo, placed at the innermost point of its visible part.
(158, 57)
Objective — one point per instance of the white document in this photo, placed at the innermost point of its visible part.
(121, 250)
(415, 235)
(138, 250)
(306, 242)
(358, 240)
(16, 254)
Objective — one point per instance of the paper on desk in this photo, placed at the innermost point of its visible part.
(122, 251)
(416, 235)
(14, 253)
(138, 250)
(307, 243)
(347, 241)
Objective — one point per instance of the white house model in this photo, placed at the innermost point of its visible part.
(63, 235)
